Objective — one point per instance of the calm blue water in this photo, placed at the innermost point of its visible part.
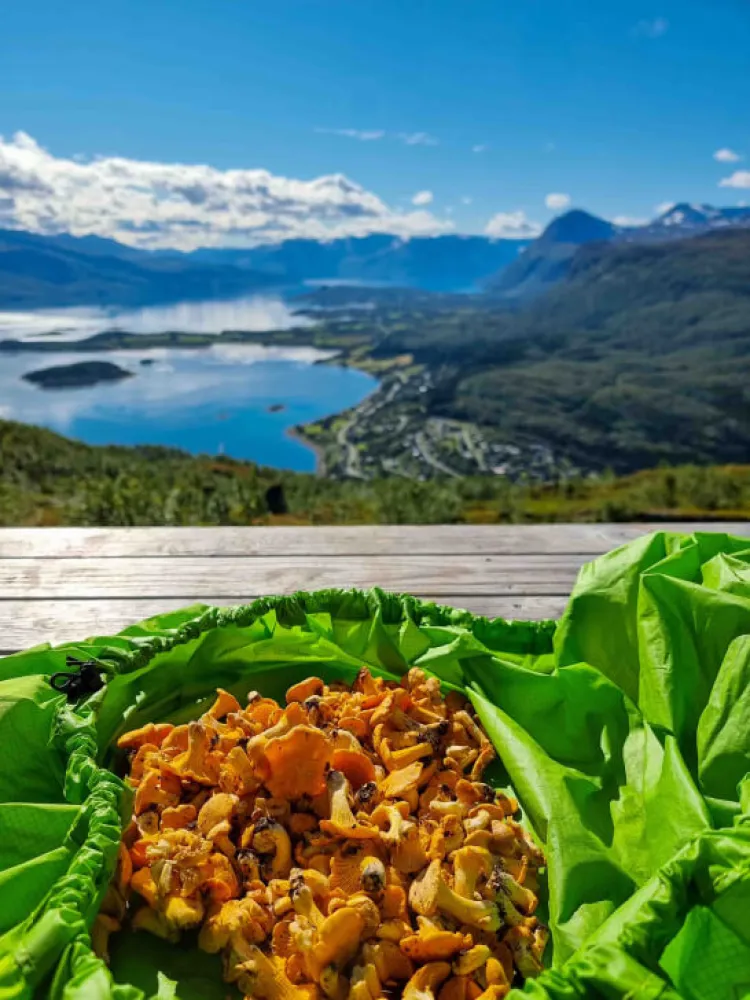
(210, 401)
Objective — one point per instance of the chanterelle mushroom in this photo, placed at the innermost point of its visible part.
(424, 983)
(272, 844)
(338, 939)
(429, 894)
(296, 763)
(303, 840)
(433, 944)
(343, 823)
(257, 975)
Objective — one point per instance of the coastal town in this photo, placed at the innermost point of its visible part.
(392, 433)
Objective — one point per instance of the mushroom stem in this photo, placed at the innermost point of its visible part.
(482, 914)
(469, 863)
(343, 822)
(260, 976)
(522, 944)
(271, 838)
(425, 981)
(302, 899)
(503, 884)
(429, 893)
(373, 875)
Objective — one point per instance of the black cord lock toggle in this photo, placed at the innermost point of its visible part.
(75, 684)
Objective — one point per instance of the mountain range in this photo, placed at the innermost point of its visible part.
(550, 257)
(38, 271)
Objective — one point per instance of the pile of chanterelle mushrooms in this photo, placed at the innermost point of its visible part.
(344, 846)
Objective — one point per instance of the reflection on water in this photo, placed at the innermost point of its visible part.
(234, 399)
(255, 313)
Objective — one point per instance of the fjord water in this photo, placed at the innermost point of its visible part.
(235, 399)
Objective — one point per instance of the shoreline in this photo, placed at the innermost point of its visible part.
(320, 463)
(329, 353)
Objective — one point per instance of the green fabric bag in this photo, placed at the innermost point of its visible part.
(624, 730)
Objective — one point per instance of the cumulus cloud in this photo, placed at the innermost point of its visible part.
(739, 179)
(422, 198)
(480, 148)
(651, 27)
(148, 204)
(557, 201)
(512, 226)
(354, 133)
(727, 155)
(466, 200)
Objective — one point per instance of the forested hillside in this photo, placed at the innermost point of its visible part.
(46, 479)
(642, 355)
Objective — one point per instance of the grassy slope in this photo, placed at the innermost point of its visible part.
(46, 479)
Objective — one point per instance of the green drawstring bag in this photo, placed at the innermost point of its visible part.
(624, 730)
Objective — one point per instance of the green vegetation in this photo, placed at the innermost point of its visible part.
(75, 376)
(640, 357)
(46, 479)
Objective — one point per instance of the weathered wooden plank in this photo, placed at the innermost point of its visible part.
(234, 579)
(27, 623)
(584, 539)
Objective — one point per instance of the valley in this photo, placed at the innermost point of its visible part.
(635, 352)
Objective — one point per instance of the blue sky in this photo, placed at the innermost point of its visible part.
(619, 105)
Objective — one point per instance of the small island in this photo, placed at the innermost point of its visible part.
(275, 408)
(77, 376)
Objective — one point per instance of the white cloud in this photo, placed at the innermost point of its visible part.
(478, 149)
(556, 201)
(629, 220)
(422, 198)
(370, 135)
(512, 226)
(727, 155)
(417, 138)
(354, 133)
(739, 179)
(185, 206)
(651, 28)
(466, 200)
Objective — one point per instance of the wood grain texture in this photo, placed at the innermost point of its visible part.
(59, 584)
(575, 539)
(234, 579)
(26, 623)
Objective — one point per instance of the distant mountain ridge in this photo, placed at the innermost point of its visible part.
(63, 270)
(687, 219)
(38, 271)
(549, 258)
(430, 263)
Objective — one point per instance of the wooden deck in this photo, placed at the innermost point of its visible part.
(61, 584)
